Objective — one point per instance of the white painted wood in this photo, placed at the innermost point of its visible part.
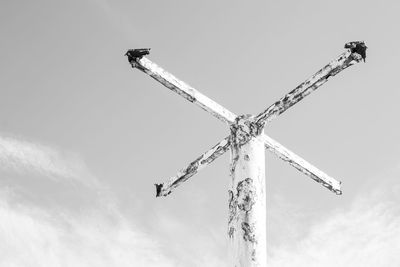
(166, 188)
(302, 165)
(342, 62)
(247, 203)
(184, 90)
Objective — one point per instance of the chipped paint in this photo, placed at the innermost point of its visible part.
(232, 206)
(231, 232)
(166, 188)
(343, 61)
(302, 165)
(183, 89)
(247, 200)
(246, 195)
(248, 234)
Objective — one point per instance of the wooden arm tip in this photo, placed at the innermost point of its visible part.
(337, 190)
(134, 54)
(160, 191)
(357, 47)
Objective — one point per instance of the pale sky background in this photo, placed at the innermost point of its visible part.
(83, 137)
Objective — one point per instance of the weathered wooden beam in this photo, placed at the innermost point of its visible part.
(166, 188)
(301, 165)
(354, 54)
(181, 88)
(271, 145)
(247, 197)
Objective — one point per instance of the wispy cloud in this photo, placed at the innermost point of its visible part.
(30, 236)
(98, 234)
(26, 157)
(366, 234)
(207, 246)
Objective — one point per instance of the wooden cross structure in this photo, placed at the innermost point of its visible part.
(247, 198)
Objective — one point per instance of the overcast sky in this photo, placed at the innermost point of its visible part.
(83, 136)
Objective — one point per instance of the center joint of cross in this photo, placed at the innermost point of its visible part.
(244, 128)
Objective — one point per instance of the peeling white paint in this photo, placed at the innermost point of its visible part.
(184, 90)
(247, 199)
(342, 62)
(302, 165)
(166, 188)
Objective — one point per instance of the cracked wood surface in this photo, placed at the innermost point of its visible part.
(343, 61)
(183, 89)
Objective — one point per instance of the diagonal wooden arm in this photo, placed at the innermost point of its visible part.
(166, 188)
(301, 164)
(183, 89)
(352, 55)
(273, 146)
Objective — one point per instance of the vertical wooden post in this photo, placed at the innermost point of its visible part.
(247, 199)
